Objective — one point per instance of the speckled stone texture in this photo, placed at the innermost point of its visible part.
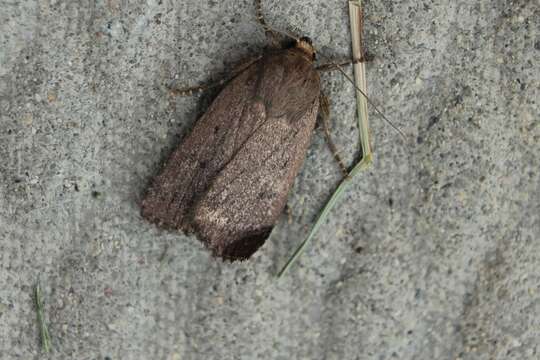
(434, 253)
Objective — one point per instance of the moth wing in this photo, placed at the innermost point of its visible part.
(240, 207)
(211, 144)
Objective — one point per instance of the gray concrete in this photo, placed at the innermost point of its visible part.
(433, 253)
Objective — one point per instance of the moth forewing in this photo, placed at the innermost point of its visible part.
(228, 180)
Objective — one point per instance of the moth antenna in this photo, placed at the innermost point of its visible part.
(333, 66)
(260, 18)
(267, 28)
(340, 69)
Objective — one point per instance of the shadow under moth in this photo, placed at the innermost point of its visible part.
(229, 179)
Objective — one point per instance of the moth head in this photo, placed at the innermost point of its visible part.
(305, 45)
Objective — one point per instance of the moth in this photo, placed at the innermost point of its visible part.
(229, 178)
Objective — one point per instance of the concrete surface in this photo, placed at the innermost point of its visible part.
(434, 253)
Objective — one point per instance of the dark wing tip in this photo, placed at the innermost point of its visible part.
(243, 248)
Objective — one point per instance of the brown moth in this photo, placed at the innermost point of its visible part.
(229, 179)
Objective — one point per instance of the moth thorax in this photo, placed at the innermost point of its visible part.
(304, 44)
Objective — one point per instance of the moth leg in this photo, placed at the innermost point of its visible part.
(325, 115)
(333, 66)
(288, 211)
(336, 65)
(195, 90)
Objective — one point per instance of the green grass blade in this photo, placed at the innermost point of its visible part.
(356, 16)
(43, 330)
(363, 164)
(357, 23)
